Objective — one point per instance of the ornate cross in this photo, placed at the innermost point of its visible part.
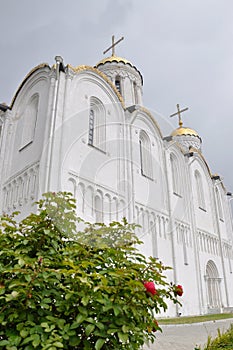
(179, 114)
(113, 45)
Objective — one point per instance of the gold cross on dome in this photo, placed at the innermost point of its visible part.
(113, 45)
(179, 114)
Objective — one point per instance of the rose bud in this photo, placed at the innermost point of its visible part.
(155, 328)
(150, 287)
(40, 261)
(179, 290)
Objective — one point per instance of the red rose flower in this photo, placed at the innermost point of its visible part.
(179, 290)
(150, 287)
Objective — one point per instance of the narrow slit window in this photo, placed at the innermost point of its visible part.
(135, 93)
(118, 84)
(91, 127)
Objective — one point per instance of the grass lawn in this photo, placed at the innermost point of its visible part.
(194, 319)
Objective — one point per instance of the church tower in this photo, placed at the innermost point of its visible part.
(124, 75)
(185, 136)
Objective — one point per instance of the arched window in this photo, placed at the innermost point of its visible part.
(81, 197)
(89, 194)
(71, 186)
(121, 209)
(97, 124)
(154, 239)
(135, 92)
(219, 204)
(114, 208)
(118, 84)
(29, 122)
(145, 155)
(176, 183)
(200, 191)
(213, 285)
(107, 208)
(98, 209)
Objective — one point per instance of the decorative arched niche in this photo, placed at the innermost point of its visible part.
(145, 154)
(29, 121)
(213, 285)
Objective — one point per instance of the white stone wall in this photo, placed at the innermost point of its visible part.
(178, 225)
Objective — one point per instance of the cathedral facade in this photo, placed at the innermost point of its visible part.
(85, 130)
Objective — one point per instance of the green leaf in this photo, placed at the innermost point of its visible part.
(21, 262)
(60, 323)
(80, 318)
(27, 340)
(58, 344)
(74, 341)
(28, 278)
(117, 310)
(44, 325)
(46, 300)
(12, 296)
(125, 328)
(4, 342)
(100, 342)
(20, 326)
(112, 330)
(89, 329)
(68, 296)
(75, 325)
(36, 340)
(123, 337)
(23, 333)
(85, 300)
(90, 320)
(100, 325)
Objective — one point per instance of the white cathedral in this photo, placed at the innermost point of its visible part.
(84, 129)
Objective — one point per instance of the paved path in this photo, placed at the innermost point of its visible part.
(186, 337)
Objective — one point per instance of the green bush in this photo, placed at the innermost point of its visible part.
(223, 341)
(76, 290)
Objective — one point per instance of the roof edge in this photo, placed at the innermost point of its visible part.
(40, 66)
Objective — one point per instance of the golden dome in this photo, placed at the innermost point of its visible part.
(114, 58)
(184, 131)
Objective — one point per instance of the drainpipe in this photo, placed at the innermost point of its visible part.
(59, 66)
(194, 231)
(171, 222)
(220, 241)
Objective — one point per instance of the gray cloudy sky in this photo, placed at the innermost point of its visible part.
(183, 48)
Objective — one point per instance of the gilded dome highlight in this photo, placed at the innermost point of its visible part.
(184, 131)
(114, 58)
